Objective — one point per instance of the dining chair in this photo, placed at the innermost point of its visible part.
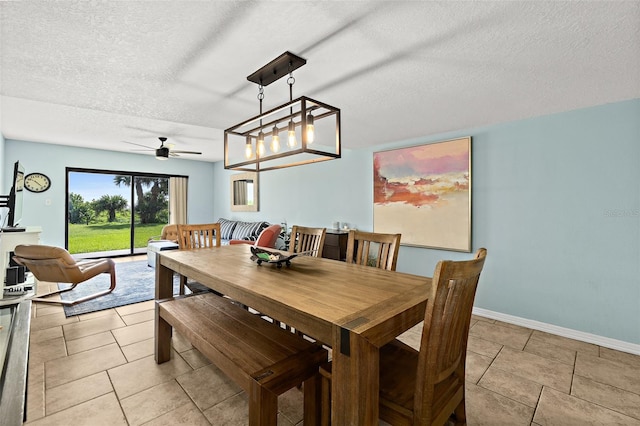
(198, 236)
(427, 387)
(305, 239)
(373, 249)
(195, 236)
(55, 264)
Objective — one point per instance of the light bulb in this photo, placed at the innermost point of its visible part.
(310, 131)
(260, 144)
(275, 140)
(248, 149)
(292, 142)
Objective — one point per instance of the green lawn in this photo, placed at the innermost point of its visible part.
(109, 236)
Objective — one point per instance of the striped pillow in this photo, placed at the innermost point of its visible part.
(256, 234)
(248, 230)
(226, 228)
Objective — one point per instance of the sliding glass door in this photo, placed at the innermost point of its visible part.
(151, 212)
(112, 213)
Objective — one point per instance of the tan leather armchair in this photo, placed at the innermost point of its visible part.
(169, 233)
(55, 264)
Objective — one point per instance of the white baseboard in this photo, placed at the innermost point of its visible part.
(607, 342)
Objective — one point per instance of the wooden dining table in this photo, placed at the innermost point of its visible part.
(352, 308)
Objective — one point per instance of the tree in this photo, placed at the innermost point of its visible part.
(151, 206)
(112, 204)
(80, 211)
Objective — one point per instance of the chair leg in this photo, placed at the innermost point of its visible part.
(325, 397)
(460, 413)
(41, 298)
(312, 400)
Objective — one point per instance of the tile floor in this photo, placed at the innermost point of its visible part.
(98, 369)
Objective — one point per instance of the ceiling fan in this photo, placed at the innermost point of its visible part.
(163, 152)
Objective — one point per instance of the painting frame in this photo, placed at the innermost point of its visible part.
(424, 193)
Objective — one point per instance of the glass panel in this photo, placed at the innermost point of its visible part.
(99, 214)
(151, 212)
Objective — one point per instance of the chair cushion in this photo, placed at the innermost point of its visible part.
(39, 252)
(55, 264)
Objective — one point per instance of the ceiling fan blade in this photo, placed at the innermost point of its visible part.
(138, 144)
(174, 132)
(186, 152)
(181, 136)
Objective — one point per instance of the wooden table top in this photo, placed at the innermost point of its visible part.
(313, 294)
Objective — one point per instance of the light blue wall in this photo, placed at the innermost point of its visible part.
(556, 201)
(53, 159)
(312, 195)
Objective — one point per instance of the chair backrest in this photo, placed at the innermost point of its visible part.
(199, 236)
(170, 233)
(373, 249)
(443, 346)
(268, 236)
(49, 263)
(305, 239)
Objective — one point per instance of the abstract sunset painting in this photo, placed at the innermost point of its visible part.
(424, 193)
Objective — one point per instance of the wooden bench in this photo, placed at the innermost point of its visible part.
(260, 357)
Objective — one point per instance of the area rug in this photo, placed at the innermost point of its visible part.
(135, 282)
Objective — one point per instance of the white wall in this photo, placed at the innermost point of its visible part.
(556, 201)
(48, 208)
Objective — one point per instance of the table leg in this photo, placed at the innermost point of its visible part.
(355, 379)
(164, 290)
(164, 280)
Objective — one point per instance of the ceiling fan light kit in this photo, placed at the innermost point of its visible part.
(162, 153)
(314, 124)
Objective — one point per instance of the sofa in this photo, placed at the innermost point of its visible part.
(239, 230)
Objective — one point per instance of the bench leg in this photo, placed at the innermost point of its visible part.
(263, 406)
(162, 338)
(183, 283)
(312, 403)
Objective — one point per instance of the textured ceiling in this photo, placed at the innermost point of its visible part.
(95, 74)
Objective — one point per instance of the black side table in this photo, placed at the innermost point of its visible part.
(335, 244)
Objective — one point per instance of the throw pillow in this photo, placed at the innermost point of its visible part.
(226, 228)
(248, 230)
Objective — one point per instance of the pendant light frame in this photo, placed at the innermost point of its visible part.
(324, 148)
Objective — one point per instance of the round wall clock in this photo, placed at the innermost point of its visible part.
(37, 182)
